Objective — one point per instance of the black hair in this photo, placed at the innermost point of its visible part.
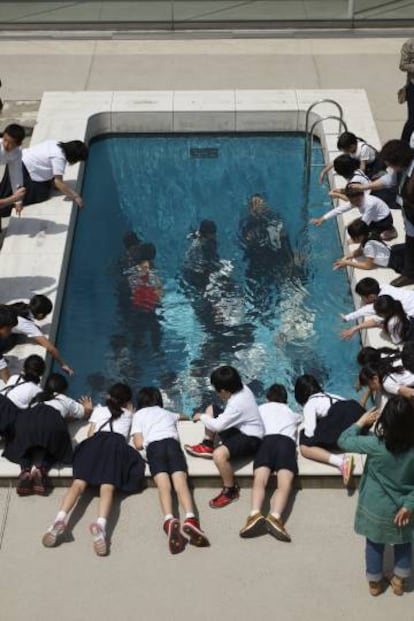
(345, 165)
(207, 228)
(306, 385)
(16, 132)
(39, 306)
(148, 397)
(33, 368)
(397, 153)
(75, 151)
(358, 228)
(407, 356)
(386, 307)
(369, 372)
(119, 395)
(55, 384)
(277, 393)
(145, 252)
(226, 378)
(395, 425)
(346, 140)
(367, 286)
(351, 191)
(8, 316)
(377, 356)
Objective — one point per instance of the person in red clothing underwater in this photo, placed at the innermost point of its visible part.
(146, 289)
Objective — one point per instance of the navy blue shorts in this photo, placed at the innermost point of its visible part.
(239, 444)
(166, 456)
(277, 452)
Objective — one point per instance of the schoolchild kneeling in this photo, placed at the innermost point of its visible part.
(103, 460)
(155, 429)
(239, 428)
(277, 453)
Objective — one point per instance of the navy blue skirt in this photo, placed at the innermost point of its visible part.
(341, 415)
(105, 457)
(8, 414)
(40, 427)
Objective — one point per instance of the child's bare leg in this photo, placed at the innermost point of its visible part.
(180, 483)
(281, 495)
(261, 477)
(319, 454)
(209, 435)
(106, 497)
(221, 458)
(163, 483)
(72, 495)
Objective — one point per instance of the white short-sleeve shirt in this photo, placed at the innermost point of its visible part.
(27, 327)
(44, 161)
(317, 406)
(278, 418)
(20, 391)
(67, 407)
(155, 423)
(13, 160)
(101, 416)
(364, 152)
(379, 252)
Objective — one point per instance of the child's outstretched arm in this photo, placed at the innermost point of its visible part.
(325, 171)
(369, 323)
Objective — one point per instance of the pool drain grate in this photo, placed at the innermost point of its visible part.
(203, 152)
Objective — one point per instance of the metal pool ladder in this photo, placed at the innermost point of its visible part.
(309, 133)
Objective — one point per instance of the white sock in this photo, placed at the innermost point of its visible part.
(190, 514)
(336, 460)
(275, 515)
(101, 521)
(61, 516)
(254, 512)
(169, 516)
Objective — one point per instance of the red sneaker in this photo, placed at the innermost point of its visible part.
(176, 541)
(193, 533)
(226, 496)
(199, 450)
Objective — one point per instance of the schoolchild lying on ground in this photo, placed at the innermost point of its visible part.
(239, 428)
(103, 460)
(386, 491)
(277, 454)
(41, 437)
(369, 290)
(395, 323)
(23, 387)
(371, 253)
(374, 212)
(325, 417)
(38, 308)
(155, 430)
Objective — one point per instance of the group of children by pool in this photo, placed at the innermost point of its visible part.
(33, 420)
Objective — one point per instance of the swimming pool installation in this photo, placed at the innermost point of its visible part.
(91, 114)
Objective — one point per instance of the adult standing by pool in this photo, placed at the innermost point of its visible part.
(44, 165)
(407, 65)
(11, 192)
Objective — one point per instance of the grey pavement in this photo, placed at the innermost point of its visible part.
(31, 67)
(320, 574)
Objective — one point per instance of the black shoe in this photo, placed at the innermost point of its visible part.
(25, 484)
(402, 281)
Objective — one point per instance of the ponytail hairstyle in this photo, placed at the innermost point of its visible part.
(306, 385)
(395, 425)
(119, 395)
(56, 384)
(33, 369)
(386, 307)
(39, 306)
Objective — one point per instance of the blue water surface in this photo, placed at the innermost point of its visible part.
(272, 326)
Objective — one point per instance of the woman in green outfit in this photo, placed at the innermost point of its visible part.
(386, 493)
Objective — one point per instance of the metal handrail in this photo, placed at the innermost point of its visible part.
(309, 110)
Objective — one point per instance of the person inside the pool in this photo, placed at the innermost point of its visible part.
(201, 258)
